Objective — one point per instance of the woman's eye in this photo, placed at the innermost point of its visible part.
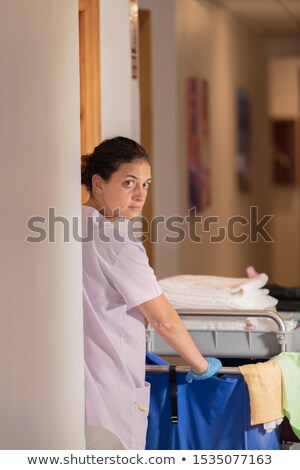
(129, 183)
(146, 185)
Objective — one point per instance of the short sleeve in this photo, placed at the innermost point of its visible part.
(132, 276)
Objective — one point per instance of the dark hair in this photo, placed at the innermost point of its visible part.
(108, 156)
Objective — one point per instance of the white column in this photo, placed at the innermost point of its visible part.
(41, 340)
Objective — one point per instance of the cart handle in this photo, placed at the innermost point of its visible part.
(158, 368)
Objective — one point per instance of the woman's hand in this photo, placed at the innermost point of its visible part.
(214, 365)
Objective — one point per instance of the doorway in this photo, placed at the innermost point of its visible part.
(89, 69)
(146, 111)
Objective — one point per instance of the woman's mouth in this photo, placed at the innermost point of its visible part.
(135, 208)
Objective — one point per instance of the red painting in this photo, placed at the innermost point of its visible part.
(199, 173)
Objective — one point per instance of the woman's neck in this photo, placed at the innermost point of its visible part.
(92, 202)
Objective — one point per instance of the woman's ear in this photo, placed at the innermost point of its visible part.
(97, 182)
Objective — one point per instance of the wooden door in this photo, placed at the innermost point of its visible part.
(146, 108)
(89, 67)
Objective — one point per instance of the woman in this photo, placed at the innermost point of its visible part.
(120, 291)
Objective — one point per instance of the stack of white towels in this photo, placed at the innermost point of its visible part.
(213, 292)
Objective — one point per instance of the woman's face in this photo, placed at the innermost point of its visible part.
(124, 194)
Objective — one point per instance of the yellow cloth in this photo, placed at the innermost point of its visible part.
(264, 384)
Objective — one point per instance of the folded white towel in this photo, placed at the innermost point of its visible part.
(203, 284)
(197, 291)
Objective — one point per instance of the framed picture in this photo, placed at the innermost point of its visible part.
(243, 123)
(284, 145)
(199, 172)
(134, 32)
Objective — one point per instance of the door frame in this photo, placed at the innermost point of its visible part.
(89, 69)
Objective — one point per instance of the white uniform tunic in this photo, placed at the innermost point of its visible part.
(116, 279)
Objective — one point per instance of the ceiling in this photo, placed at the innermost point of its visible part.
(267, 17)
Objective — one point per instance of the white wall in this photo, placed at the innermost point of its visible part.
(120, 104)
(41, 352)
(192, 38)
(212, 45)
(165, 154)
(284, 85)
(284, 103)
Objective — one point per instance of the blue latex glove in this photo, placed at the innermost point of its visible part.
(213, 366)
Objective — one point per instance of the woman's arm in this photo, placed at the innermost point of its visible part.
(166, 321)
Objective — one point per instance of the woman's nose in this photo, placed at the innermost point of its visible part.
(139, 193)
